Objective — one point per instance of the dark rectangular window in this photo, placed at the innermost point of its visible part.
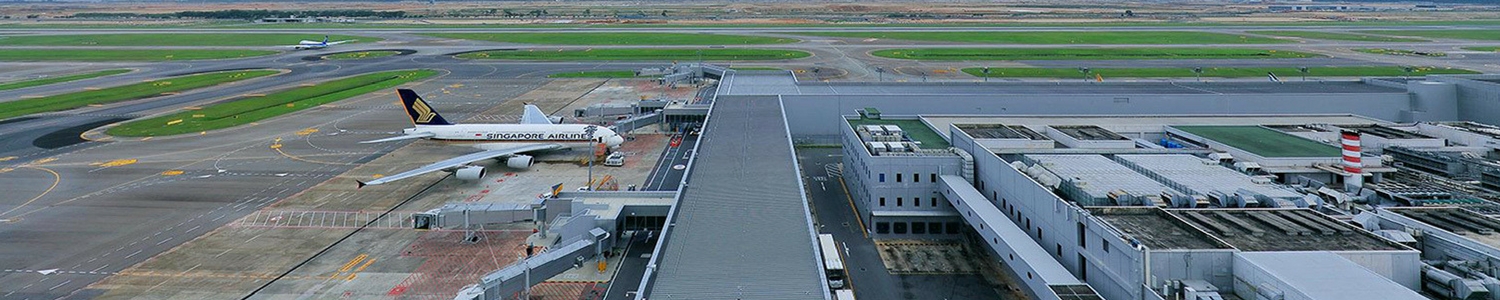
(934, 201)
(915, 178)
(900, 227)
(916, 201)
(898, 177)
(935, 227)
(898, 201)
(882, 177)
(1059, 249)
(882, 201)
(1082, 237)
(882, 228)
(934, 177)
(953, 227)
(1083, 268)
(918, 228)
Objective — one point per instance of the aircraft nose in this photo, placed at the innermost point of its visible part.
(615, 140)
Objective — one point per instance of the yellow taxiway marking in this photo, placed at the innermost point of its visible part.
(174, 122)
(3, 170)
(91, 88)
(171, 93)
(192, 108)
(31, 96)
(377, 176)
(171, 173)
(55, 180)
(117, 163)
(276, 146)
(255, 95)
(456, 85)
(307, 131)
(306, 84)
(146, 138)
(43, 161)
(7, 158)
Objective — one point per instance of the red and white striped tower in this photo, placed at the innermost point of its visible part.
(1350, 142)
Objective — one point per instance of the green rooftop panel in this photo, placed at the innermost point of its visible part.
(1263, 141)
(914, 129)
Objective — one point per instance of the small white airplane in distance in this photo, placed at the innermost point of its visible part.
(503, 142)
(306, 44)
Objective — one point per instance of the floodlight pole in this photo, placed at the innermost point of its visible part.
(1085, 71)
(986, 74)
(592, 147)
(1198, 73)
(1304, 72)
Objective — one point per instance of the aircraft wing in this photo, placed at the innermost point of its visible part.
(462, 160)
(399, 138)
(340, 42)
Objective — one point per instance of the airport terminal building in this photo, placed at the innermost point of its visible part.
(1167, 190)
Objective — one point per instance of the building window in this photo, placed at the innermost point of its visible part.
(882, 227)
(1082, 237)
(916, 201)
(898, 177)
(882, 201)
(915, 177)
(934, 201)
(953, 227)
(936, 227)
(918, 228)
(900, 227)
(882, 177)
(1103, 243)
(898, 201)
(934, 177)
(1059, 249)
(1083, 268)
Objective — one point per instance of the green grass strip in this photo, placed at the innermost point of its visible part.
(174, 39)
(1061, 37)
(1490, 49)
(1472, 34)
(58, 79)
(360, 55)
(1084, 54)
(1403, 52)
(124, 55)
(1336, 36)
(128, 92)
(1286, 73)
(252, 109)
(617, 38)
(1263, 141)
(596, 74)
(686, 55)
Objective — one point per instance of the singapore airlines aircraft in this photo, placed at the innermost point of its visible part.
(503, 142)
(306, 44)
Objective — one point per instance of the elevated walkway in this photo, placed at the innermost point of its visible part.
(741, 228)
(1039, 272)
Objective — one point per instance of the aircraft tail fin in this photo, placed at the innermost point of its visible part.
(420, 112)
(325, 39)
(534, 115)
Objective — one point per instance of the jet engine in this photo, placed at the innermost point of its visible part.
(469, 173)
(518, 161)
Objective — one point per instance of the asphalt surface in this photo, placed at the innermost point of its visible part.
(75, 212)
(867, 274)
(666, 177)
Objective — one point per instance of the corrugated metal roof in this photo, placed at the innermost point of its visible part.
(1192, 174)
(1310, 274)
(742, 229)
(1095, 176)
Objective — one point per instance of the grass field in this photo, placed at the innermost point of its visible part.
(596, 74)
(616, 38)
(1476, 34)
(717, 54)
(360, 55)
(123, 55)
(1285, 73)
(1490, 49)
(252, 109)
(1263, 141)
(1336, 36)
(128, 92)
(1061, 37)
(172, 39)
(1388, 51)
(57, 79)
(1083, 54)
